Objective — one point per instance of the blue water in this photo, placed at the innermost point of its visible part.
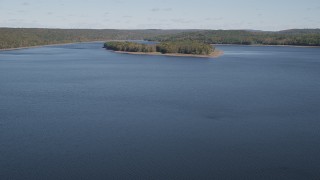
(81, 112)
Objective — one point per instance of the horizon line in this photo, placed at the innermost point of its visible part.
(159, 29)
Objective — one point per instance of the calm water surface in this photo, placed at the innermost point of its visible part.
(81, 112)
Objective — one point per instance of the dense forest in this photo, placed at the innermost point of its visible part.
(301, 37)
(181, 47)
(129, 46)
(23, 37)
(185, 47)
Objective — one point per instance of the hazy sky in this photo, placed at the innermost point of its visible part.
(161, 14)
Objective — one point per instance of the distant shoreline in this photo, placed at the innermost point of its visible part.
(215, 54)
(48, 45)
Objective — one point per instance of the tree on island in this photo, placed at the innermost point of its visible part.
(177, 47)
(129, 46)
(185, 47)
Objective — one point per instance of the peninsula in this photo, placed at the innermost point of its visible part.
(174, 48)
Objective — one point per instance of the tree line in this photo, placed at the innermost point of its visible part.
(182, 47)
(185, 47)
(129, 46)
(300, 37)
(25, 37)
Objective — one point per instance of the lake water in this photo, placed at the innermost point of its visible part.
(80, 112)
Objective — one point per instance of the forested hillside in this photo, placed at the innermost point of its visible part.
(22, 37)
(301, 37)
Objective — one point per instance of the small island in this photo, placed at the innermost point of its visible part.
(173, 48)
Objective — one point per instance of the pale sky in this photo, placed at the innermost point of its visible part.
(161, 14)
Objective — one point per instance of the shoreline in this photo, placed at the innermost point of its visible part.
(47, 45)
(257, 45)
(215, 54)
